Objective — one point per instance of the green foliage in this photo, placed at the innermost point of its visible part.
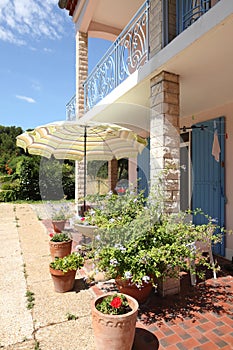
(71, 316)
(51, 179)
(116, 304)
(30, 299)
(68, 180)
(60, 237)
(5, 178)
(70, 262)
(161, 250)
(137, 240)
(57, 179)
(37, 346)
(97, 169)
(28, 173)
(114, 214)
(8, 148)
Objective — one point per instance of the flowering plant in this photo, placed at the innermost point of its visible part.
(157, 251)
(113, 214)
(115, 304)
(72, 261)
(59, 237)
(60, 211)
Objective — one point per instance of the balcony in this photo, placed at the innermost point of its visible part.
(130, 51)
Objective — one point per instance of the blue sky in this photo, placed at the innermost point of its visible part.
(37, 62)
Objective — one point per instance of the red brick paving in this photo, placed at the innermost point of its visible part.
(199, 318)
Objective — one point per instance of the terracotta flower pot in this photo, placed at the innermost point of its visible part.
(63, 282)
(129, 288)
(60, 249)
(114, 331)
(58, 225)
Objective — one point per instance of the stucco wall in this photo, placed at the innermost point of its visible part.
(227, 112)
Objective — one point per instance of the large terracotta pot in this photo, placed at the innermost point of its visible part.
(114, 332)
(58, 225)
(129, 288)
(63, 282)
(60, 249)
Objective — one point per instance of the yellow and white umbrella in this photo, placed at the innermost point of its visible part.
(72, 140)
(76, 141)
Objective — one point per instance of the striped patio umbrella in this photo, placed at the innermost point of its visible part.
(76, 141)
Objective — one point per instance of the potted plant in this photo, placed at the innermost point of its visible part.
(60, 213)
(60, 245)
(140, 245)
(155, 253)
(84, 227)
(114, 319)
(63, 271)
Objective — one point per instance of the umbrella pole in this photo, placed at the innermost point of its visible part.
(85, 168)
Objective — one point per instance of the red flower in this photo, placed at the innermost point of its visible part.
(116, 302)
(82, 219)
(51, 235)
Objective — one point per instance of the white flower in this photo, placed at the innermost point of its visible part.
(114, 262)
(128, 275)
(120, 247)
(97, 237)
(146, 279)
(112, 220)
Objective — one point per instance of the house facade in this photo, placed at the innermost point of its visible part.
(168, 75)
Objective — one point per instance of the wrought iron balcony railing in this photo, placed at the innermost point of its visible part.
(71, 109)
(125, 56)
(130, 51)
(189, 11)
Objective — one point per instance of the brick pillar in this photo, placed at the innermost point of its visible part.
(81, 76)
(165, 136)
(112, 174)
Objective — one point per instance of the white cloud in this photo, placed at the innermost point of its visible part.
(25, 98)
(21, 20)
(46, 49)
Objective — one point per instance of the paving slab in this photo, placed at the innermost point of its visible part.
(24, 262)
(16, 322)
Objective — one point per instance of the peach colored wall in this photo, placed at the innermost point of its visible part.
(132, 170)
(227, 112)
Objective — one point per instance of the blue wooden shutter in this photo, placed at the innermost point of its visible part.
(208, 174)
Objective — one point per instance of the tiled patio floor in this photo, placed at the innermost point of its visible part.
(199, 318)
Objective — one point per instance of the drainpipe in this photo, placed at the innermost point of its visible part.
(62, 4)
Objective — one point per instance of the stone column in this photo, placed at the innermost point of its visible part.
(165, 136)
(161, 33)
(81, 76)
(155, 25)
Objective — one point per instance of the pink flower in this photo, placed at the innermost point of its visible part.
(82, 219)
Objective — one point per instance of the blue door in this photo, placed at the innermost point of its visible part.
(208, 174)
